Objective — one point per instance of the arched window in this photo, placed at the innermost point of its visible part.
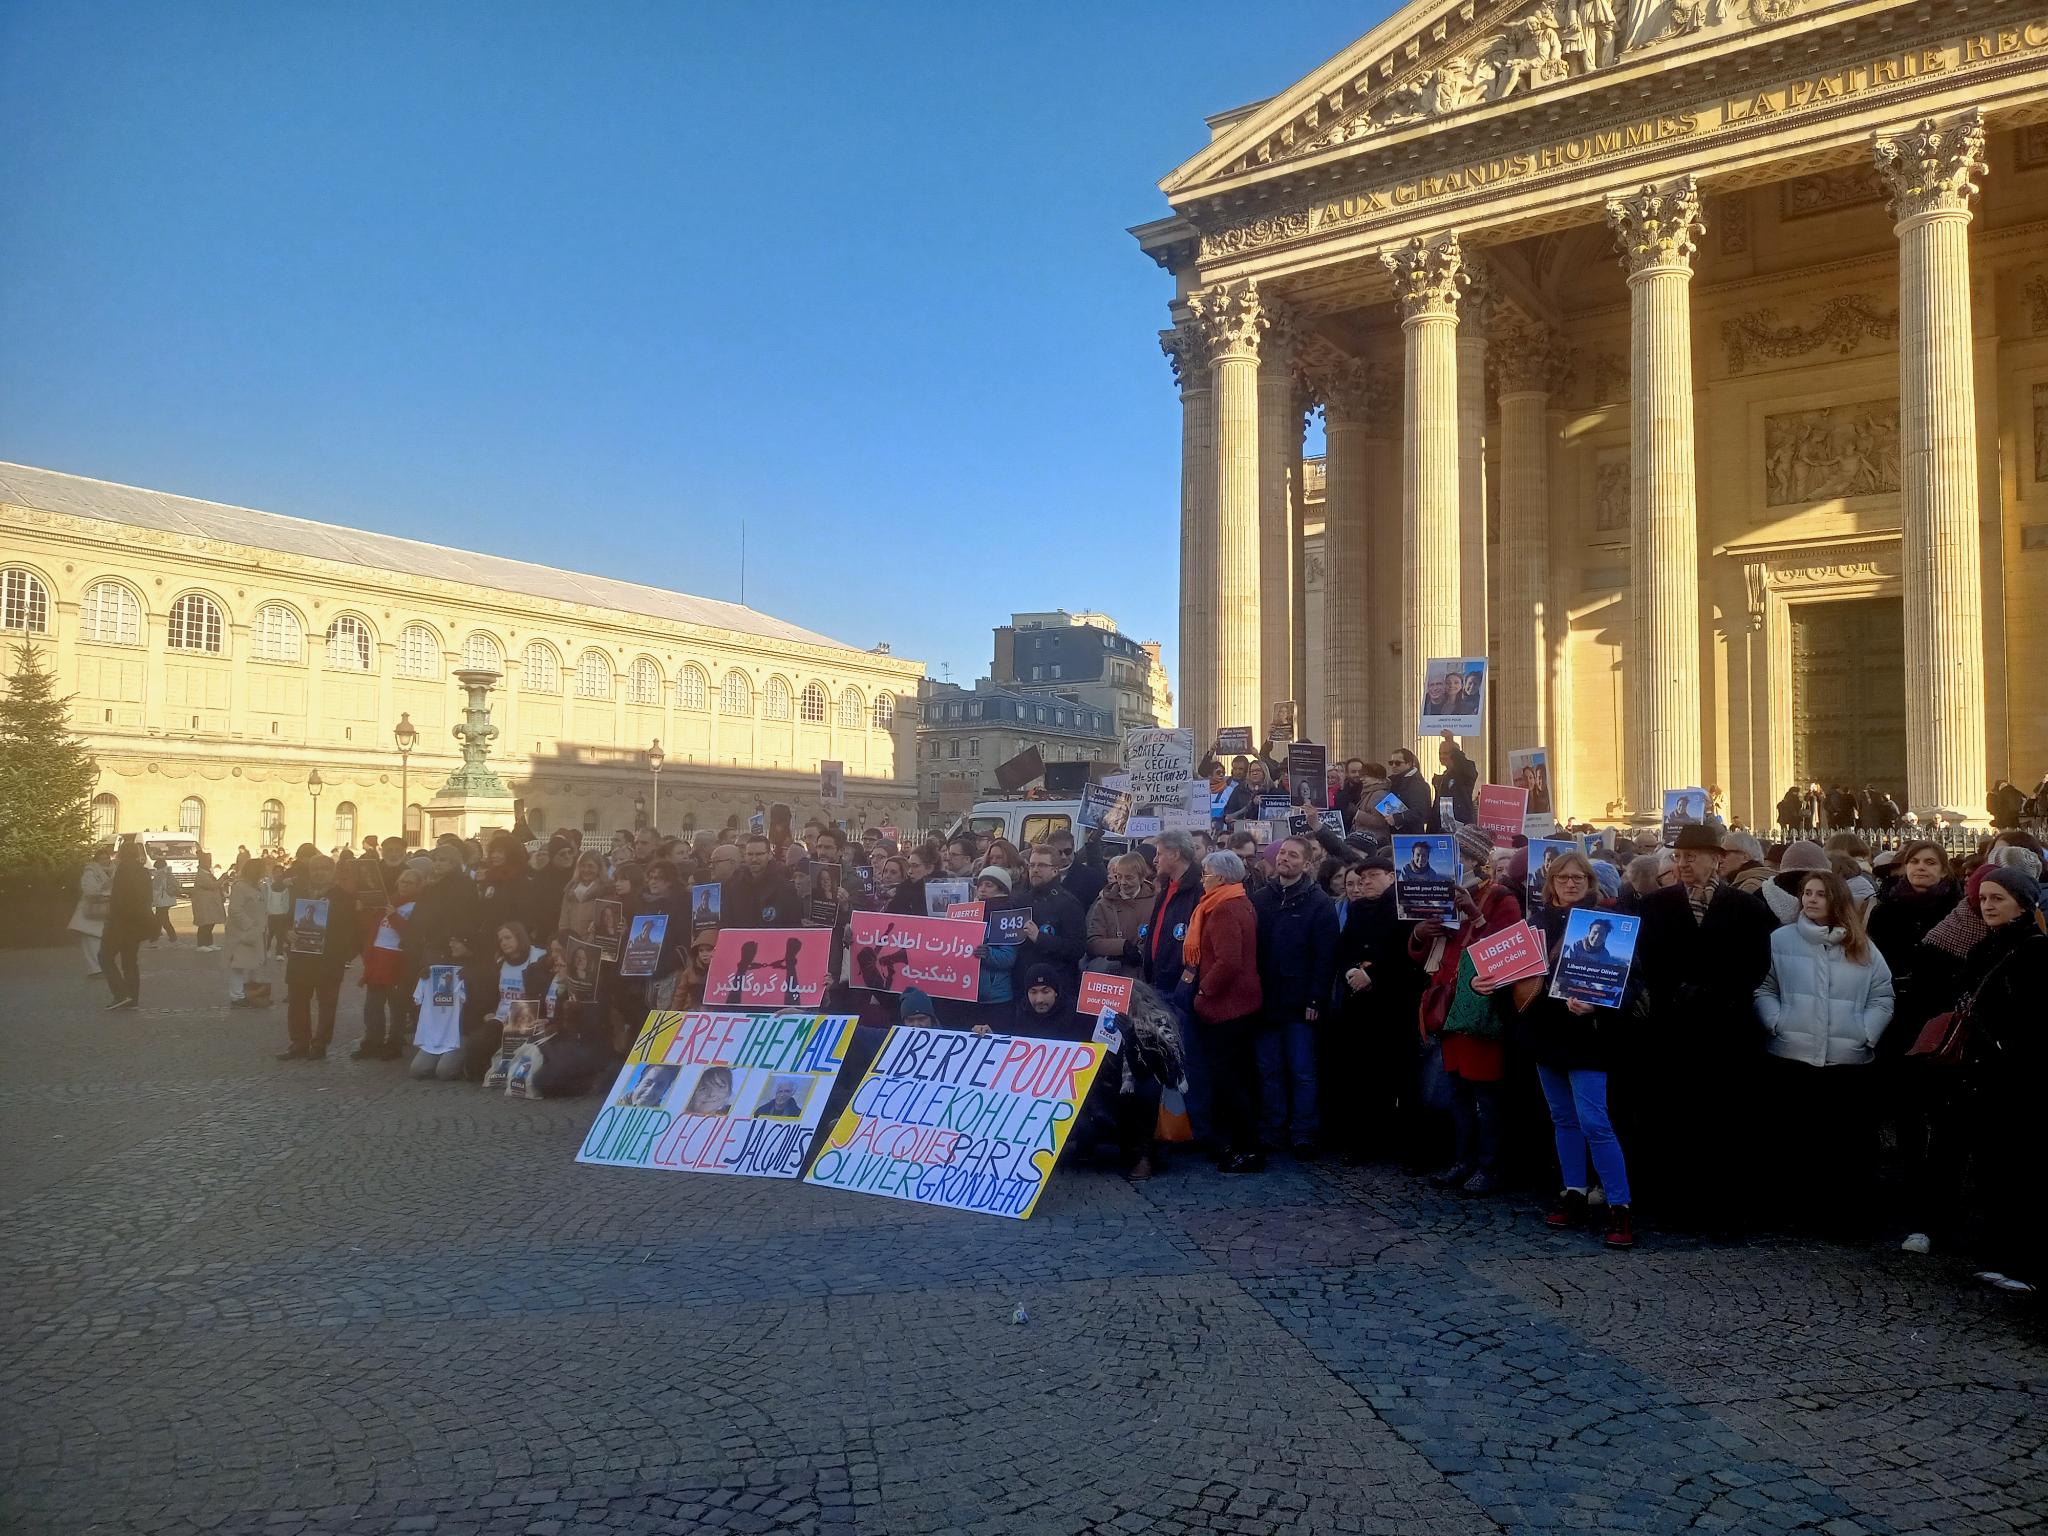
(540, 669)
(537, 820)
(195, 624)
(693, 689)
(348, 644)
(24, 602)
(106, 818)
(815, 702)
(735, 695)
(643, 686)
(593, 675)
(276, 634)
(415, 818)
(590, 821)
(885, 711)
(345, 823)
(192, 817)
(853, 709)
(273, 824)
(419, 652)
(109, 615)
(775, 703)
(480, 651)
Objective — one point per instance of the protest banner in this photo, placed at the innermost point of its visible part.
(645, 935)
(967, 911)
(1104, 808)
(1159, 762)
(1512, 954)
(831, 782)
(586, 961)
(1136, 827)
(1006, 925)
(1101, 993)
(892, 832)
(1308, 773)
(1234, 741)
(892, 952)
(721, 1092)
(520, 1022)
(608, 927)
(1425, 870)
(1453, 695)
(971, 1122)
(1282, 728)
(941, 892)
(1014, 773)
(766, 968)
(1390, 805)
(1332, 820)
(1543, 852)
(1184, 821)
(1117, 781)
(1275, 805)
(1501, 809)
(1682, 807)
(822, 909)
(1529, 767)
(706, 902)
(1594, 956)
(309, 925)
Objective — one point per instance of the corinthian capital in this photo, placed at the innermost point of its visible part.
(1186, 347)
(1527, 358)
(1427, 278)
(1355, 391)
(1658, 226)
(1480, 305)
(1932, 168)
(1231, 318)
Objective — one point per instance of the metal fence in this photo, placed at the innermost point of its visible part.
(1950, 839)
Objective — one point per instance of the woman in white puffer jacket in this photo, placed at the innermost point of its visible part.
(1826, 1003)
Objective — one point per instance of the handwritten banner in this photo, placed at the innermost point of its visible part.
(721, 1092)
(1159, 762)
(972, 1122)
(768, 968)
(892, 952)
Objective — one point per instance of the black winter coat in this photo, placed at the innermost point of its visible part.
(1701, 977)
(769, 900)
(1418, 810)
(1297, 947)
(1373, 935)
(1549, 1031)
(446, 909)
(1167, 929)
(1900, 919)
(1062, 934)
(1456, 781)
(2005, 1055)
(129, 914)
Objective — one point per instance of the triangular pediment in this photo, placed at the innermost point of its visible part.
(1440, 60)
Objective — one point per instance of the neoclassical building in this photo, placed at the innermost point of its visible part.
(1689, 358)
(220, 657)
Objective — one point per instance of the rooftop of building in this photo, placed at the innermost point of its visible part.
(50, 490)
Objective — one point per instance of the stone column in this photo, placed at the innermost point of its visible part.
(1348, 562)
(1476, 313)
(1187, 350)
(1279, 442)
(1234, 321)
(1527, 362)
(1308, 721)
(1658, 230)
(1932, 172)
(1427, 280)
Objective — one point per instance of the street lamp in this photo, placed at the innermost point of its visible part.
(314, 784)
(655, 758)
(406, 736)
(639, 812)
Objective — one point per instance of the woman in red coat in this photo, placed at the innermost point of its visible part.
(1222, 958)
(1474, 1058)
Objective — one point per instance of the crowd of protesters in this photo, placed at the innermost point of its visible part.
(1814, 1034)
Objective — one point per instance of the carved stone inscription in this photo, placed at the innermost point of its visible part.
(1847, 450)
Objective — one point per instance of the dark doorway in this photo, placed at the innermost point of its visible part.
(1849, 693)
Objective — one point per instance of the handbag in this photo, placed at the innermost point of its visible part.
(1469, 1012)
(1942, 1038)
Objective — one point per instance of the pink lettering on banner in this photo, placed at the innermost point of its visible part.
(1104, 994)
(892, 953)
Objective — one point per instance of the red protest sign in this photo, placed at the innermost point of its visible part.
(768, 968)
(968, 911)
(892, 952)
(1513, 954)
(1104, 994)
(1501, 808)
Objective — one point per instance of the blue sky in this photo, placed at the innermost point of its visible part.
(588, 283)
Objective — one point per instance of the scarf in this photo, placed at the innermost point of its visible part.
(1962, 930)
(1191, 947)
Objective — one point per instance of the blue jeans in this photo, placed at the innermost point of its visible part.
(1287, 1083)
(1578, 1115)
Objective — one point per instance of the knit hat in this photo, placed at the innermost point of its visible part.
(1609, 879)
(1802, 856)
(1475, 847)
(997, 873)
(2017, 883)
(916, 1001)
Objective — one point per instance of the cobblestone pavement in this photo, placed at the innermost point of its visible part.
(247, 1297)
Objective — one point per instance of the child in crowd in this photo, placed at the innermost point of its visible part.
(439, 1000)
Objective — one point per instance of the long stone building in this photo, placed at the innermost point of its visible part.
(219, 658)
(1688, 358)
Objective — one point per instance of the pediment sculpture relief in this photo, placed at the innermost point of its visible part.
(1550, 42)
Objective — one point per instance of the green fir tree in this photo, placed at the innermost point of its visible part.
(46, 780)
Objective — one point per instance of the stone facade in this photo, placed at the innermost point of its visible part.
(1681, 301)
(212, 673)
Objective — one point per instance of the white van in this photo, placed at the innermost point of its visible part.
(180, 851)
(1024, 822)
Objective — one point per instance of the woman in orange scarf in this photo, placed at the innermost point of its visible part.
(1222, 954)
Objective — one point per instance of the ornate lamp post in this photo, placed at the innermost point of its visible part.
(655, 758)
(639, 812)
(405, 736)
(314, 784)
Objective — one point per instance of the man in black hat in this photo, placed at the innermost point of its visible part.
(1704, 948)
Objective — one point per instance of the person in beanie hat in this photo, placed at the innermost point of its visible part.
(915, 1010)
(1781, 892)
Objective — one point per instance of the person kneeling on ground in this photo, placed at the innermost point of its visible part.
(440, 999)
